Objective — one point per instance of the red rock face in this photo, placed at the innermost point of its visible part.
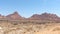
(15, 16)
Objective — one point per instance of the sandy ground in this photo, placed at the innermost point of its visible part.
(51, 28)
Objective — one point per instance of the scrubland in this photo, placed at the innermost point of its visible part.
(29, 28)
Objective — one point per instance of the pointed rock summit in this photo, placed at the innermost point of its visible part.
(14, 16)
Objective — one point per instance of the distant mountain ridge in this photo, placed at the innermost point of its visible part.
(43, 16)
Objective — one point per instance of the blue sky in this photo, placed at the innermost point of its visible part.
(27, 8)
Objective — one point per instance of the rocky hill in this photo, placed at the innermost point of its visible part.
(45, 16)
(38, 17)
(14, 16)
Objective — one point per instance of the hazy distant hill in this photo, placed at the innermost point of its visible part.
(14, 16)
(42, 17)
(45, 16)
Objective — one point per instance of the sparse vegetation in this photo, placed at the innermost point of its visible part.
(29, 28)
